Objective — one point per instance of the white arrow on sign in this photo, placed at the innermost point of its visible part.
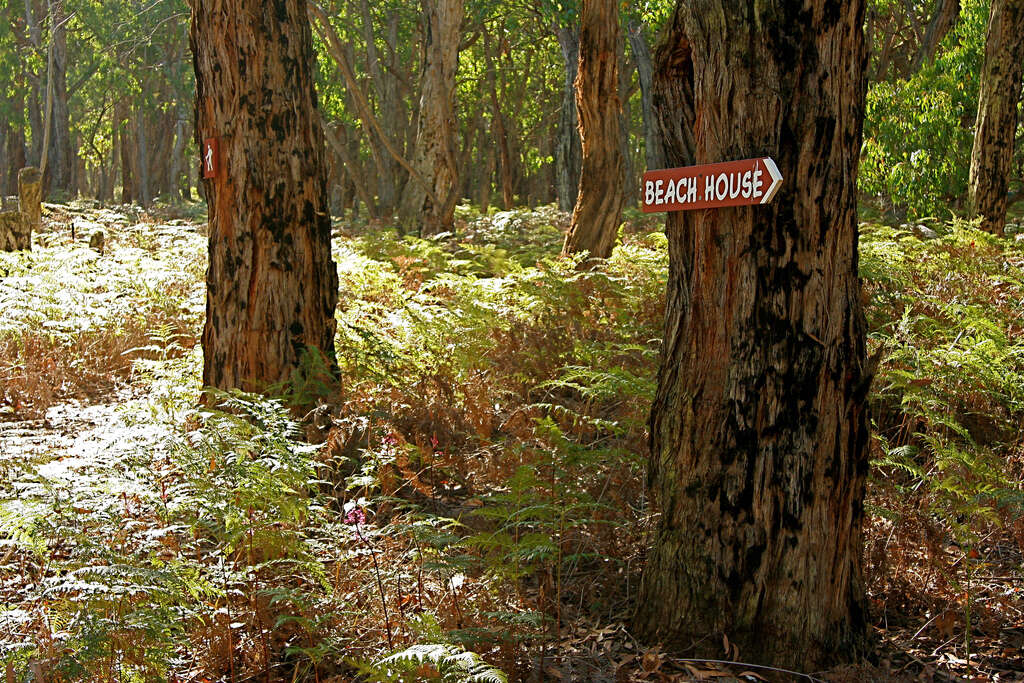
(746, 182)
(773, 170)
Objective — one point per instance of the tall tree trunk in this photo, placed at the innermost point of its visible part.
(653, 152)
(758, 430)
(272, 286)
(598, 211)
(36, 84)
(356, 175)
(6, 133)
(996, 126)
(142, 158)
(487, 163)
(175, 165)
(499, 129)
(35, 105)
(568, 150)
(435, 155)
(14, 159)
(129, 157)
(387, 104)
(629, 180)
(61, 159)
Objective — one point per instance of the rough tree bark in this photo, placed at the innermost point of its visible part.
(12, 231)
(435, 152)
(758, 429)
(30, 197)
(996, 125)
(568, 149)
(272, 286)
(598, 211)
(16, 226)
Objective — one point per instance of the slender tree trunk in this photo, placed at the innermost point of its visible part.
(160, 148)
(759, 430)
(396, 118)
(568, 151)
(177, 154)
(272, 286)
(14, 159)
(598, 211)
(348, 160)
(629, 180)
(60, 166)
(142, 158)
(499, 129)
(435, 156)
(108, 168)
(387, 104)
(653, 152)
(36, 85)
(6, 133)
(943, 19)
(487, 162)
(129, 157)
(996, 126)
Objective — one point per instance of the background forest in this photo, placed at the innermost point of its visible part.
(467, 501)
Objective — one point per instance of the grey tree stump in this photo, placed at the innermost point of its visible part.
(16, 226)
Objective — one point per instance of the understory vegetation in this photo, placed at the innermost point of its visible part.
(466, 502)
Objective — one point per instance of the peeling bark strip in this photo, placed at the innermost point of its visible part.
(598, 211)
(758, 429)
(996, 126)
(271, 285)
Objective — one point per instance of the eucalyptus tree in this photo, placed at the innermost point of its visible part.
(759, 430)
(272, 286)
(430, 202)
(564, 18)
(598, 210)
(38, 66)
(13, 121)
(995, 129)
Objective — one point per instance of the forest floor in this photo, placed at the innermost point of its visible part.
(471, 500)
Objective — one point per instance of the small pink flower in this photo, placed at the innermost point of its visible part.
(355, 516)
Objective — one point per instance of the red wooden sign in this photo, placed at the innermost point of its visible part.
(730, 183)
(211, 157)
